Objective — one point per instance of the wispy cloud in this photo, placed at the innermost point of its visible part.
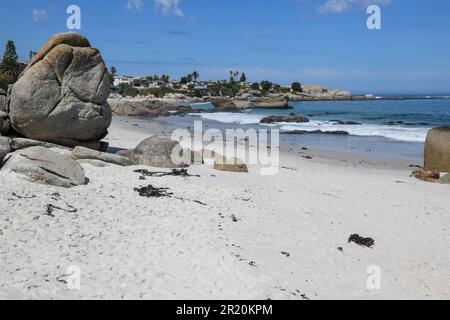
(135, 5)
(40, 16)
(169, 7)
(338, 6)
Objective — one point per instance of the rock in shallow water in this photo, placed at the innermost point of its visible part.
(289, 119)
(61, 96)
(44, 166)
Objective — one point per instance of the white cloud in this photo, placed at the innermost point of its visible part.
(40, 16)
(338, 6)
(136, 5)
(168, 7)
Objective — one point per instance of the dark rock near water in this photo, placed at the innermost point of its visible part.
(338, 133)
(349, 123)
(61, 96)
(290, 119)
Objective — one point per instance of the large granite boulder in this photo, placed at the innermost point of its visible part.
(437, 149)
(44, 166)
(159, 151)
(61, 96)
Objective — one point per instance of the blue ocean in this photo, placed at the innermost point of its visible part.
(397, 120)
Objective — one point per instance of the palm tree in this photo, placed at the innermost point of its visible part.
(195, 75)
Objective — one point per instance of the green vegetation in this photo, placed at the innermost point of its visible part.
(225, 89)
(9, 66)
(129, 91)
(297, 87)
(195, 76)
(243, 78)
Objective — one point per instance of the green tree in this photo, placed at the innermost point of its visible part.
(255, 86)
(297, 87)
(113, 71)
(266, 85)
(5, 80)
(243, 78)
(195, 75)
(9, 64)
(127, 90)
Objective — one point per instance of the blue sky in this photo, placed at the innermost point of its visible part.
(312, 41)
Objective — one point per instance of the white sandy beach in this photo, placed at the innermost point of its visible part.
(130, 247)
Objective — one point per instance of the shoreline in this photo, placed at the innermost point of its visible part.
(368, 148)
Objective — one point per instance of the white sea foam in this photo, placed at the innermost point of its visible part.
(400, 133)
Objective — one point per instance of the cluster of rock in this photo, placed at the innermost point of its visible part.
(240, 103)
(57, 103)
(288, 119)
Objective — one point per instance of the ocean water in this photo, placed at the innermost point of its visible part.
(396, 120)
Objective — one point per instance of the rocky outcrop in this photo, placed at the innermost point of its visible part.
(271, 103)
(158, 151)
(44, 166)
(5, 147)
(61, 96)
(224, 105)
(437, 149)
(81, 153)
(144, 108)
(289, 119)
